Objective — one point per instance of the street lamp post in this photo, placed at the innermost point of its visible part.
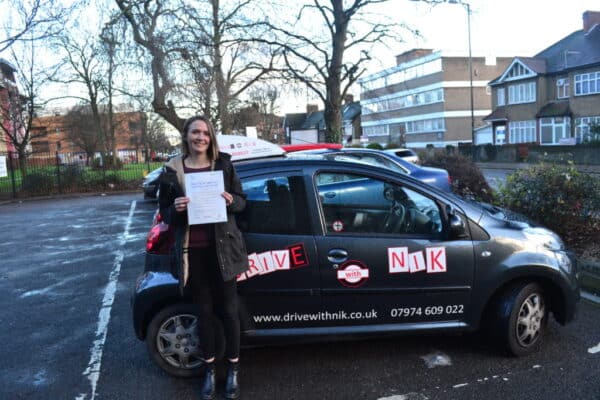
(468, 8)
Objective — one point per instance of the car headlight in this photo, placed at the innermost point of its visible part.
(564, 261)
(548, 240)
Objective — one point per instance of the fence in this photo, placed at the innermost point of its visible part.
(42, 174)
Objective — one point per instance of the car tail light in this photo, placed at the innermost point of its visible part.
(159, 239)
(449, 180)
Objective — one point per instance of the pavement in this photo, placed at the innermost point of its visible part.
(590, 169)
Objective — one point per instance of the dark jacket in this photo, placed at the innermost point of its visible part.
(229, 243)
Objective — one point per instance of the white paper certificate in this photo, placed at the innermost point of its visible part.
(206, 204)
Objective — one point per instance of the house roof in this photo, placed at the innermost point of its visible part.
(316, 119)
(294, 120)
(579, 49)
(499, 114)
(576, 50)
(555, 109)
(537, 65)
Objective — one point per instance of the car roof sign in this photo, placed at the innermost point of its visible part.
(244, 148)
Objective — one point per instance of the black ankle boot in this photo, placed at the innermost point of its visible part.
(232, 387)
(208, 384)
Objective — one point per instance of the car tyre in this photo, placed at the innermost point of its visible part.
(521, 319)
(173, 343)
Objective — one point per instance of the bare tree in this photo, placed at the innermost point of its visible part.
(321, 61)
(23, 102)
(81, 130)
(31, 20)
(154, 137)
(265, 97)
(90, 62)
(202, 52)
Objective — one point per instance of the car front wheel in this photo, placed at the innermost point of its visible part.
(522, 317)
(173, 341)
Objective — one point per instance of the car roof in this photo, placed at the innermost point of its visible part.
(293, 162)
(399, 160)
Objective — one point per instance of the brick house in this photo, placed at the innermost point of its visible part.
(8, 89)
(51, 137)
(553, 97)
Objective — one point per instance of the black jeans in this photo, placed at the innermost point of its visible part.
(211, 294)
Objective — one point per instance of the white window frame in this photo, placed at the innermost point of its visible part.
(563, 88)
(588, 83)
(522, 131)
(501, 96)
(522, 93)
(582, 127)
(559, 126)
(376, 131)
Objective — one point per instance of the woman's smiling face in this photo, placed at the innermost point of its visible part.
(198, 137)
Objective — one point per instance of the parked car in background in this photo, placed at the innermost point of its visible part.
(150, 184)
(343, 249)
(406, 154)
(432, 176)
(290, 148)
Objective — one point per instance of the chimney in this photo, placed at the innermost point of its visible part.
(348, 99)
(590, 18)
(311, 108)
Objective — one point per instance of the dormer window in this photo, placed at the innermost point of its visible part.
(563, 88)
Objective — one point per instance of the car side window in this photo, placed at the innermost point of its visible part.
(274, 204)
(362, 204)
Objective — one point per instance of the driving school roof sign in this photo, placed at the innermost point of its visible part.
(245, 148)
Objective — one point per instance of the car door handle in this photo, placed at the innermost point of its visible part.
(337, 256)
(330, 195)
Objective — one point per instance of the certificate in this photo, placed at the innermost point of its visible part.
(206, 204)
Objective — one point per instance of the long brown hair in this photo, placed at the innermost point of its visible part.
(213, 149)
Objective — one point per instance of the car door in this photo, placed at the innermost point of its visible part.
(385, 256)
(281, 288)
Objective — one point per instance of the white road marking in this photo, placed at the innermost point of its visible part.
(92, 372)
(407, 396)
(595, 349)
(460, 385)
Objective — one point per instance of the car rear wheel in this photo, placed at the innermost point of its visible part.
(173, 341)
(521, 319)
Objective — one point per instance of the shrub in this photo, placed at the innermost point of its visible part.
(392, 145)
(71, 176)
(556, 196)
(375, 146)
(467, 179)
(39, 182)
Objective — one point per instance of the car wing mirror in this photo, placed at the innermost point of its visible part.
(457, 225)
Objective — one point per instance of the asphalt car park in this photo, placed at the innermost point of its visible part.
(70, 266)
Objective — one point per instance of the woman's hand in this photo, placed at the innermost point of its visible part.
(181, 203)
(228, 198)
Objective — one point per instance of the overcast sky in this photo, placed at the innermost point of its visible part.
(498, 27)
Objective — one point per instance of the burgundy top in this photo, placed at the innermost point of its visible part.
(201, 235)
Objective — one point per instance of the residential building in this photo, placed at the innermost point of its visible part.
(553, 97)
(426, 98)
(51, 135)
(8, 93)
(310, 127)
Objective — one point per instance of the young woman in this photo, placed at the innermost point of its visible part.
(209, 256)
